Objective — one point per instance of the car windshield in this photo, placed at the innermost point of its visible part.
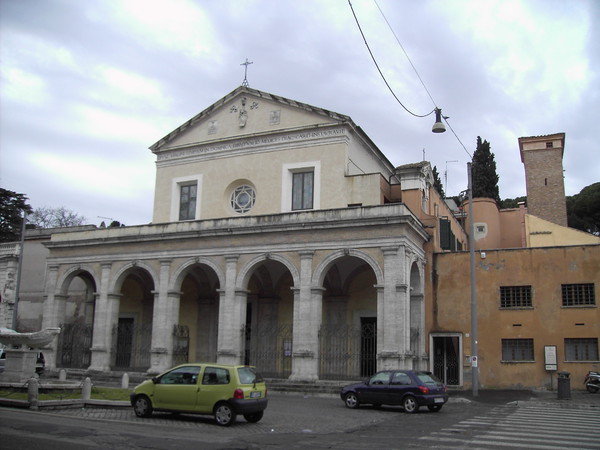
(428, 378)
(249, 375)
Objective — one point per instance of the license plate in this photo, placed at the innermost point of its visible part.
(255, 394)
(438, 400)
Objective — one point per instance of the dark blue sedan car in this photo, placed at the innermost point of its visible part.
(410, 389)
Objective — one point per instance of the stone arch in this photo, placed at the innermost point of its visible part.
(183, 270)
(85, 272)
(197, 283)
(127, 269)
(75, 300)
(247, 271)
(349, 312)
(324, 266)
(417, 312)
(268, 313)
(131, 316)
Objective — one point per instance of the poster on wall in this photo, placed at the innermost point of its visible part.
(550, 357)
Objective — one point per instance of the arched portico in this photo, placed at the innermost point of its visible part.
(72, 308)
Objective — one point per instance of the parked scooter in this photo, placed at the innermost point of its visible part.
(592, 381)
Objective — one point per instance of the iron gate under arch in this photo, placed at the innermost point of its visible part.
(348, 351)
(181, 344)
(74, 346)
(269, 348)
(131, 344)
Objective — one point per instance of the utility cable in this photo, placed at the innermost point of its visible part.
(405, 53)
(445, 118)
(380, 72)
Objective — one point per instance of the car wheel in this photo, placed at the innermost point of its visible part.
(142, 406)
(351, 400)
(224, 415)
(410, 404)
(434, 408)
(254, 417)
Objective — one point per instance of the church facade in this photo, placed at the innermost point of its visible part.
(279, 239)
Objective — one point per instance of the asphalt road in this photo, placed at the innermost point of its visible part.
(290, 421)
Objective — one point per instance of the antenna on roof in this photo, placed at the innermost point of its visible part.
(246, 63)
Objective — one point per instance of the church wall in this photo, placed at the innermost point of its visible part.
(263, 171)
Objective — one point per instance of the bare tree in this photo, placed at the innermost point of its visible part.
(48, 217)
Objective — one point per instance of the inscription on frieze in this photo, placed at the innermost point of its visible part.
(253, 143)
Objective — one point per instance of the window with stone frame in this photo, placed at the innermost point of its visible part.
(581, 349)
(302, 190)
(187, 201)
(580, 294)
(517, 350)
(515, 297)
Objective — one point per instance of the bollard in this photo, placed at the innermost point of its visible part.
(62, 375)
(125, 381)
(86, 391)
(33, 390)
(564, 386)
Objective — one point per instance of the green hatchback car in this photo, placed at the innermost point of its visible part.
(203, 388)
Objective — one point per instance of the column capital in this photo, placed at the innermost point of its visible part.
(389, 250)
(306, 254)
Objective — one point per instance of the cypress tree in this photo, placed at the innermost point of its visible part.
(483, 172)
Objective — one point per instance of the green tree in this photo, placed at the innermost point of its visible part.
(483, 172)
(512, 202)
(12, 206)
(437, 183)
(583, 209)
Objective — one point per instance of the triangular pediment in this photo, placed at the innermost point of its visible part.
(247, 112)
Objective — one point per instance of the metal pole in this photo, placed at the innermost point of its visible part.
(19, 268)
(474, 357)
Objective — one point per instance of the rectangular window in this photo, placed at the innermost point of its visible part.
(447, 238)
(187, 202)
(515, 297)
(581, 294)
(302, 190)
(581, 349)
(517, 350)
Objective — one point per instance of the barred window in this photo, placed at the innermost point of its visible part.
(515, 297)
(581, 294)
(581, 349)
(517, 350)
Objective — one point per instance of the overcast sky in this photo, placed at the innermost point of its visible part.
(87, 86)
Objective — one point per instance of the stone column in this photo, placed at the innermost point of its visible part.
(229, 345)
(100, 344)
(388, 312)
(403, 301)
(49, 318)
(308, 310)
(162, 323)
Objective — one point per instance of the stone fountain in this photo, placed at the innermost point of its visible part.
(22, 350)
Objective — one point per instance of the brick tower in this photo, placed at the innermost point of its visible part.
(542, 157)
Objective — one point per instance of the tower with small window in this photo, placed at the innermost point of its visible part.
(542, 157)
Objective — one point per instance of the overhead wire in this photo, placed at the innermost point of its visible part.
(379, 69)
(445, 118)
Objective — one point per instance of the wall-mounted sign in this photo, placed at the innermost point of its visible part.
(550, 357)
